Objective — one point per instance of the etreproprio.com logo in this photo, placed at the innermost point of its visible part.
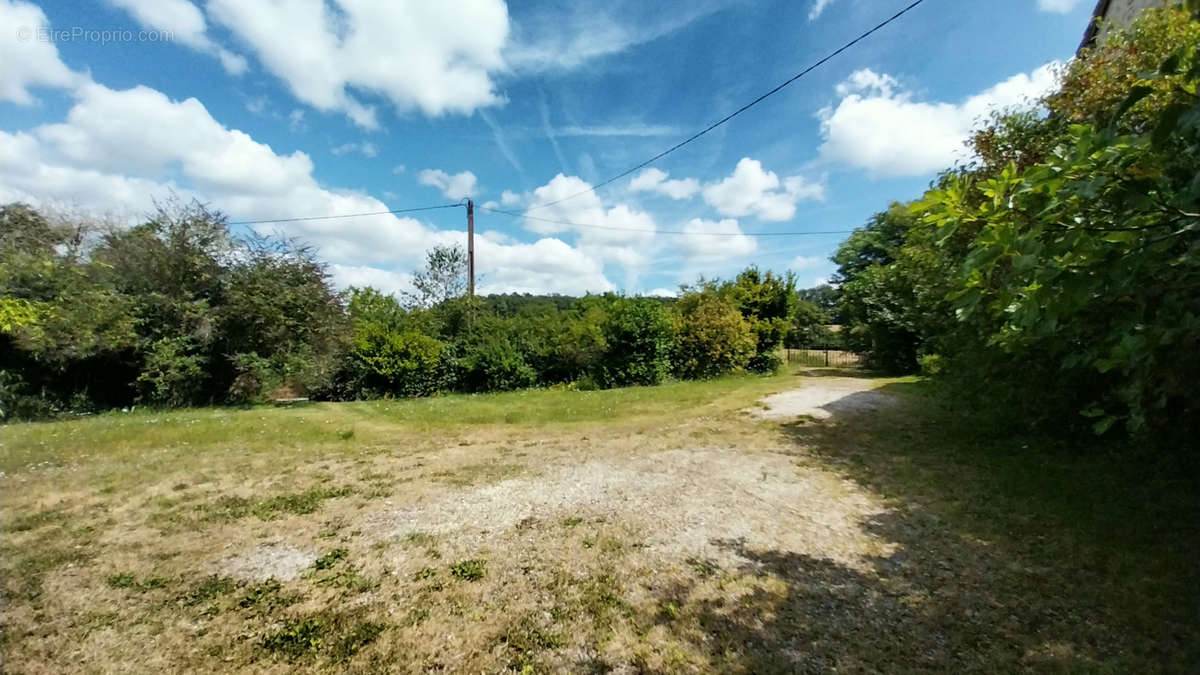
(102, 36)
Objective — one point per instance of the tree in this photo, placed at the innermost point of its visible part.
(825, 297)
(768, 303)
(878, 302)
(808, 327)
(1055, 279)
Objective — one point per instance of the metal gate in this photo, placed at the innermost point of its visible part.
(820, 356)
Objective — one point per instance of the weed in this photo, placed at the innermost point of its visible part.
(417, 615)
(99, 621)
(469, 570)
(330, 559)
(230, 508)
(526, 640)
(345, 434)
(357, 583)
(425, 573)
(703, 568)
(298, 503)
(32, 568)
(210, 588)
(128, 580)
(296, 638)
(350, 580)
(34, 521)
(419, 539)
(358, 637)
(572, 521)
(336, 635)
(121, 580)
(266, 597)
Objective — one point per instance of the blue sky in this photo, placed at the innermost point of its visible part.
(293, 108)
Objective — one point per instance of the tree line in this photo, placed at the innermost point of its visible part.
(1055, 280)
(180, 311)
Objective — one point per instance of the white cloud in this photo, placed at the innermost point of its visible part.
(661, 293)
(509, 198)
(436, 57)
(655, 180)
(1059, 6)
(366, 149)
(715, 240)
(456, 186)
(818, 8)
(26, 60)
(119, 150)
(574, 33)
(257, 105)
(803, 262)
(385, 281)
(620, 233)
(140, 132)
(185, 23)
(296, 120)
(880, 128)
(867, 81)
(751, 190)
(548, 264)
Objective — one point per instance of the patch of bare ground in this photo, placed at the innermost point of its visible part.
(681, 501)
(822, 398)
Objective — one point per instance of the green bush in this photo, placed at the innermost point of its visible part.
(638, 337)
(712, 338)
(399, 364)
(173, 373)
(1056, 276)
(493, 365)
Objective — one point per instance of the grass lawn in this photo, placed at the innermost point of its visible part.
(645, 529)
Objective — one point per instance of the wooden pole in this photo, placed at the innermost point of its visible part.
(470, 248)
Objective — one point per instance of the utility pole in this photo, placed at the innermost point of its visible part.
(470, 248)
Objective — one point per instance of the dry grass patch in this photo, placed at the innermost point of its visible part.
(687, 536)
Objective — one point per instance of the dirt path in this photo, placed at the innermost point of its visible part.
(674, 504)
(822, 398)
(678, 503)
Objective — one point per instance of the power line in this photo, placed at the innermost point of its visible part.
(739, 111)
(346, 215)
(642, 165)
(516, 214)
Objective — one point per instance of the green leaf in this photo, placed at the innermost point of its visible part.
(1170, 65)
(1103, 425)
(1135, 95)
(1168, 123)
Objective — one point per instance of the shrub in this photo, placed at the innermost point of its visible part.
(172, 374)
(638, 337)
(493, 365)
(712, 338)
(404, 364)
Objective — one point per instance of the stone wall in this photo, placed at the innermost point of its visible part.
(1123, 12)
